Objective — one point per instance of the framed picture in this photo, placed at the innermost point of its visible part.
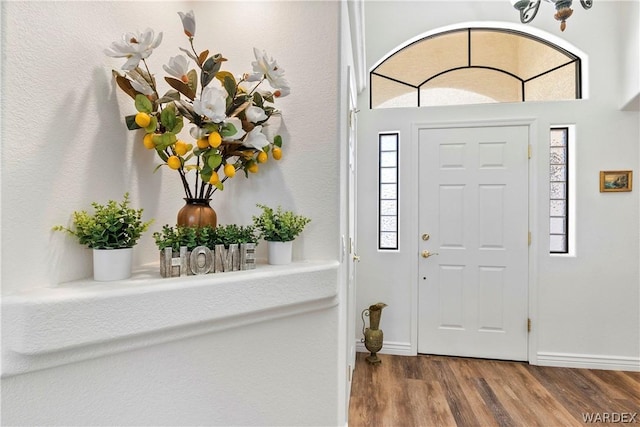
(615, 181)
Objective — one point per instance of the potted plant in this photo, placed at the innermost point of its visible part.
(279, 228)
(191, 237)
(111, 231)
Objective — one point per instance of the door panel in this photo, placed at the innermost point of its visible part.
(473, 204)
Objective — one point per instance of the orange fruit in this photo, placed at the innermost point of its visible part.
(148, 141)
(253, 168)
(214, 178)
(262, 157)
(174, 162)
(215, 139)
(229, 170)
(276, 153)
(202, 143)
(181, 148)
(143, 120)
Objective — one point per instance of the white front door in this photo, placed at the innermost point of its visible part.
(473, 223)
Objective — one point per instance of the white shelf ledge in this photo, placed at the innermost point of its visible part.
(84, 319)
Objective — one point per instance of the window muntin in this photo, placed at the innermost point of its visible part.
(511, 66)
(388, 144)
(559, 190)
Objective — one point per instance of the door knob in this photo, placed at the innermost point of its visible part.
(427, 254)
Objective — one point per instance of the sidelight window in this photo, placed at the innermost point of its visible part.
(560, 190)
(388, 191)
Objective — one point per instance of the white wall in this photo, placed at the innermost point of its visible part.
(70, 146)
(630, 50)
(64, 145)
(582, 305)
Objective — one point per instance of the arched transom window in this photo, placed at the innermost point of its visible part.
(475, 65)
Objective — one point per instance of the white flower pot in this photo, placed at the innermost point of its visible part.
(280, 253)
(112, 264)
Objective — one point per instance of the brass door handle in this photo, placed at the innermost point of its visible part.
(356, 258)
(427, 254)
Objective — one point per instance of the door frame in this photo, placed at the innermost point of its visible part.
(536, 142)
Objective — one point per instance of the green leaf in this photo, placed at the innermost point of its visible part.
(228, 129)
(209, 65)
(166, 139)
(277, 141)
(181, 87)
(268, 97)
(205, 173)
(186, 110)
(192, 77)
(131, 122)
(171, 95)
(168, 118)
(257, 99)
(205, 78)
(214, 160)
(159, 166)
(230, 86)
(219, 185)
(153, 125)
(143, 104)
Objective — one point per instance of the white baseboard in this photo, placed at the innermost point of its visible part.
(395, 348)
(588, 361)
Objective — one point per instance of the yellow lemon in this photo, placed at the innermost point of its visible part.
(253, 168)
(214, 178)
(215, 139)
(143, 120)
(202, 143)
(174, 162)
(148, 141)
(229, 170)
(262, 157)
(181, 148)
(277, 153)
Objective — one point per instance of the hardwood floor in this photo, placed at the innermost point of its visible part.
(449, 391)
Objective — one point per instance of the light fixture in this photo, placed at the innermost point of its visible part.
(529, 8)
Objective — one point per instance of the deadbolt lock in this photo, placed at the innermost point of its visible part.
(425, 237)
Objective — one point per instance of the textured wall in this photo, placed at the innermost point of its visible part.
(582, 305)
(64, 143)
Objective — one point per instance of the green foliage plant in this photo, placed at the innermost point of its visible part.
(232, 233)
(191, 237)
(176, 237)
(279, 225)
(112, 226)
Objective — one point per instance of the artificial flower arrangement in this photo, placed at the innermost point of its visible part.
(229, 114)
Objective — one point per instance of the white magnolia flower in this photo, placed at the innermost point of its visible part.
(212, 103)
(188, 23)
(134, 47)
(239, 131)
(256, 139)
(255, 114)
(268, 68)
(178, 67)
(139, 83)
(283, 91)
